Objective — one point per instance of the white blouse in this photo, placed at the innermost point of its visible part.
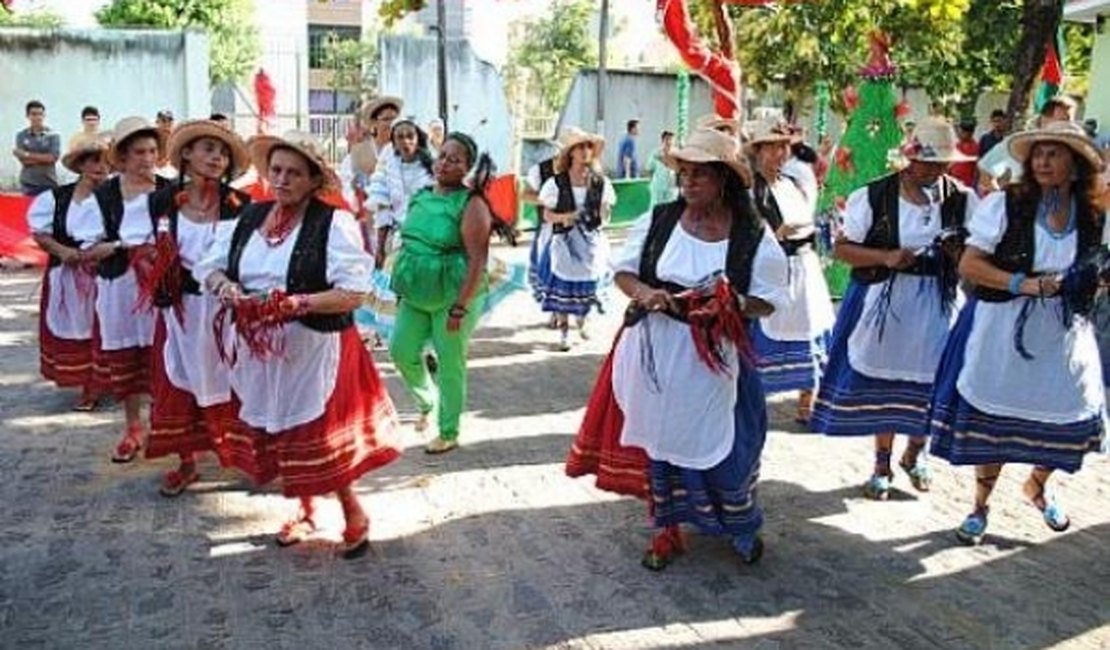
(684, 413)
(69, 307)
(549, 194)
(84, 226)
(1062, 383)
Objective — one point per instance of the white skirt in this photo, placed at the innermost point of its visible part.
(809, 313)
(191, 355)
(121, 325)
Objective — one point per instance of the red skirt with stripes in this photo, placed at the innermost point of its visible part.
(66, 362)
(119, 373)
(357, 433)
(178, 425)
(597, 448)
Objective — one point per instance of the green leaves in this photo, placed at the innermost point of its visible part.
(553, 48)
(233, 48)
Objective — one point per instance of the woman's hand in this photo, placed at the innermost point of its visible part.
(899, 258)
(455, 316)
(1044, 286)
(786, 231)
(229, 293)
(655, 300)
(70, 256)
(103, 250)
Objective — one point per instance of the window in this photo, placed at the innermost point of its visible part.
(318, 37)
(328, 103)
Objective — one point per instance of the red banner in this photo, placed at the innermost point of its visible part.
(15, 235)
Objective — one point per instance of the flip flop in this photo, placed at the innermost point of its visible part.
(295, 531)
(176, 481)
(974, 527)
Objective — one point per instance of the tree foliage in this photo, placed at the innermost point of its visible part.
(392, 11)
(554, 47)
(39, 19)
(354, 64)
(953, 49)
(233, 47)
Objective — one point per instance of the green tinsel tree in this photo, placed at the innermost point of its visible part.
(864, 152)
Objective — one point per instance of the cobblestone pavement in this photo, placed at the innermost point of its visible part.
(493, 547)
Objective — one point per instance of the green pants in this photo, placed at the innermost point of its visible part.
(412, 330)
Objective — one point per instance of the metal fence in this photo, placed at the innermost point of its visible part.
(330, 130)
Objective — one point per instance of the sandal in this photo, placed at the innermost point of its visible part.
(1054, 516)
(877, 488)
(356, 541)
(973, 529)
(748, 548)
(129, 446)
(295, 531)
(86, 404)
(421, 424)
(176, 480)
(440, 446)
(665, 545)
(919, 474)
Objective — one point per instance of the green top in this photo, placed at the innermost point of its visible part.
(431, 266)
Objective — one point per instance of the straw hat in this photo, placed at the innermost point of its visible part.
(1070, 134)
(261, 146)
(768, 132)
(709, 146)
(188, 132)
(79, 147)
(378, 103)
(715, 122)
(129, 127)
(935, 141)
(571, 137)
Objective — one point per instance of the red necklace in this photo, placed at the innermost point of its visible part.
(280, 224)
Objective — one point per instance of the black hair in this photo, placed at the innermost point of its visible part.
(33, 104)
(89, 110)
(483, 174)
(1085, 187)
(217, 117)
(632, 124)
(804, 153)
(85, 156)
(998, 112)
(663, 136)
(735, 193)
(381, 108)
(125, 144)
(423, 152)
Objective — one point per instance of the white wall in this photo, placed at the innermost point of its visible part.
(122, 72)
(475, 94)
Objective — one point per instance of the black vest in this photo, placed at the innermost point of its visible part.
(109, 196)
(63, 196)
(743, 242)
(547, 170)
(882, 195)
(163, 203)
(308, 265)
(591, 209)
(768, 207)
(1016, 250)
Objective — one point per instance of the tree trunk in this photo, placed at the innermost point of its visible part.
(1039, 22)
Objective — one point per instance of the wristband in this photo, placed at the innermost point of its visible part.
(301, 302)
(457, 311)
(1015, 283)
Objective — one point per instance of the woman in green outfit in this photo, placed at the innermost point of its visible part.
(440, 281)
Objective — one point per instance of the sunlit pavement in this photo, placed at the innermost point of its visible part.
(492, 546)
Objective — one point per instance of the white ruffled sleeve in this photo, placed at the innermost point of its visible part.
(549, 194)
(533, 178)
(216, 256)
(40, 216)
(858, 216)
(349, 266)
(608, 194)
(627, 259)
(770, 272)
(988, 223)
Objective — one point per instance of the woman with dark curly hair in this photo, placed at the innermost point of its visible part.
(1033, 255)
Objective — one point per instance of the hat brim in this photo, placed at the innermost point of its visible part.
(1021, 145)
(377, 104)
(562, 162)
(956, 157)
(190, 132)
(701, 157)
(69, 160)
(113, 155)
(261, 146)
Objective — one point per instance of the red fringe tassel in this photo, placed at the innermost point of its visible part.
(259, 322)
(715, 318)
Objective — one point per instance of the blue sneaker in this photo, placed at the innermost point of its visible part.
(974, 527)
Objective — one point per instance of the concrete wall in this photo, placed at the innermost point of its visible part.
(475, 95)
(122, 72)
(647, 96)
(1098, 97)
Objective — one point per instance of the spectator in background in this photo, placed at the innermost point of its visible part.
(163, 122)
(220, 119)
(997, 168)
(435, 134)
(664, 187)
(1000, 126)
(90, 126)
(627, 167)
(37, 148)
(965, 171)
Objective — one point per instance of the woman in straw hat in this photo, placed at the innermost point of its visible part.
(792, 343)
(901, 303)
(577, 202)
(122, 334)
(680, 383)
(189, 382)
(1031, 255)
(63, 228)
(402, 173)
(312, 410)
(441, 282)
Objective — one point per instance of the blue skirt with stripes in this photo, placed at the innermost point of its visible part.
(789, 365)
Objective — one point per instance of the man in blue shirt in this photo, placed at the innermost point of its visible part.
(627, 167)
(1000, 126)
(37, 148)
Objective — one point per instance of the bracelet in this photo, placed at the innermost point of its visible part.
(1015, 283)
(457, 311)
(302, 304)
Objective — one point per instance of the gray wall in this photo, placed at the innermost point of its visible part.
(650, 97)
(475, 96)
(122, 72)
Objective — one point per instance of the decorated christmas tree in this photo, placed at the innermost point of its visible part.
(865, 151)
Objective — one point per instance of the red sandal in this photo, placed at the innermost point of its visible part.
(176, 480)
(296, 531)
(128, 447)
(356, 541)
(665, 545)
